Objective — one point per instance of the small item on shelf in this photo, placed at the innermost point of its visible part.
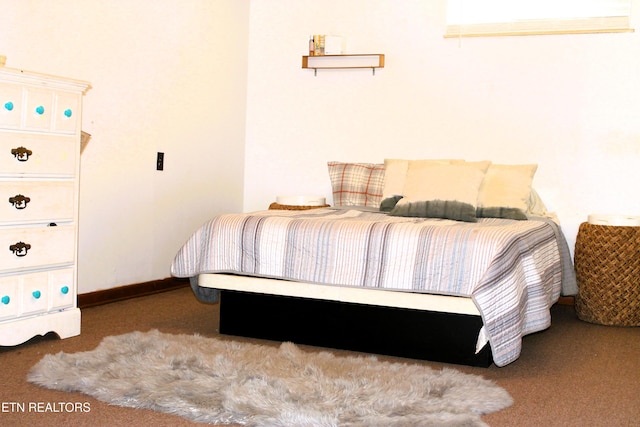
(333, 45)
(312, 46)
(319, 44)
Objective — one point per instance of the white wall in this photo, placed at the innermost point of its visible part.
(569, 103)
(166, 76)
(172, 76)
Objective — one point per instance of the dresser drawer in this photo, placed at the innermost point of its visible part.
(38, 107)
(34, 294)
(29, 247)
(66, 118)
(10, 106)
(36, 201)
(29, 154)
(62, 290)
(9, 297)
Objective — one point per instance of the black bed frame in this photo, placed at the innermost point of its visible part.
(416, 334)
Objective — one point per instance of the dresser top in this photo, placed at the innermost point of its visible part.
(14, 75)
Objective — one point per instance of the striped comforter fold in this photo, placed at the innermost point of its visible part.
(511, 269)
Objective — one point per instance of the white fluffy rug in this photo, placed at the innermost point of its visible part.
(224, 382)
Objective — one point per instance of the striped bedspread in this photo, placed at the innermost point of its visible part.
(511, 269)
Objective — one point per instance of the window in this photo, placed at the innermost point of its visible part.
(469, 18)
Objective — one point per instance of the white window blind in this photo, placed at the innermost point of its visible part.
(468, 18)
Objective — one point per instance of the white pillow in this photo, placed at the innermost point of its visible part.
(506, 191)
(436, 190)
(395, 175)
(536, 205)
(395, 171)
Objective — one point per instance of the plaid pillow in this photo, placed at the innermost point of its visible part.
(356, 184)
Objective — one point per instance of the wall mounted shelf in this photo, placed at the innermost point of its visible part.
(363, 60)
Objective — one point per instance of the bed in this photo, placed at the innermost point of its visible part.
(430, 286)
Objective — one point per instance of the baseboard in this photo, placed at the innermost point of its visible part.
(120, 293)
(570, 300)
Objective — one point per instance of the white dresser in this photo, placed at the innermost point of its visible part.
(40, 118)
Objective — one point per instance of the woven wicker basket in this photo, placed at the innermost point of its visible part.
(607, 263)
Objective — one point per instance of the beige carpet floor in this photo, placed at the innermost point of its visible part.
(573, 374)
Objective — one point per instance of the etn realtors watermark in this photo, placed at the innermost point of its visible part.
(44, 407)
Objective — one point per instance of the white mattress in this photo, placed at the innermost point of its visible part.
(380, 297)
